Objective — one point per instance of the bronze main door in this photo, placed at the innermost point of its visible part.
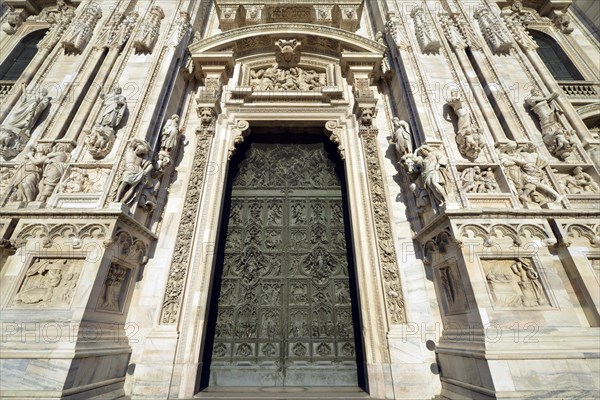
(284, 314)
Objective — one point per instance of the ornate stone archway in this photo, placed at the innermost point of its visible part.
(321, 76)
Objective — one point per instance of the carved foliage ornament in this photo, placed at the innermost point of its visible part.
(386, 249)
(179, 263)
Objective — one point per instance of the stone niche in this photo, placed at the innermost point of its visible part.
(343, 14)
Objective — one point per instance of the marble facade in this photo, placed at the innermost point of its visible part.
(471, 175)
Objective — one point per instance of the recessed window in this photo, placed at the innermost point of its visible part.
(557, 61)
(14, 65)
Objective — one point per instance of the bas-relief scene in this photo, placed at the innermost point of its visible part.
(242, 199)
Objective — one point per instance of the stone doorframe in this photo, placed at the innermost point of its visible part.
(224, 125)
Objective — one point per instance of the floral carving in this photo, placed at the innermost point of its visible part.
(172, 298)
(387, 252)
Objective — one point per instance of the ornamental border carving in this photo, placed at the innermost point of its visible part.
(229, 37)
(519, 233)
(49, 233)
(386, 249)
(171, 305)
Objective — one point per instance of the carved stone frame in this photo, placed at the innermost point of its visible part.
(196, 297)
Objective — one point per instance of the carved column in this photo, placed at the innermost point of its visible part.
(365, 108)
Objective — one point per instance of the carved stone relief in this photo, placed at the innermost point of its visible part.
(101, 138)
(468, 135)
(40, 172)
(240, 131)
(559, 140)
(524, 168)
(426, 36)
(335, 136)
(80, 31)
(84, 181)
(578, 182)
(294, 78)
(16, 129)
(474, 180)
(454, 300)
(138, 167)
(515, 283)
(493, 31)
(147, 35)
(48, 283)
(114, 290)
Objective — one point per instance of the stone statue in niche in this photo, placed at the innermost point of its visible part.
(401, 138)
(170, 134)
(524, 168)
(514, 283)
(288, 52)
(429, 166)
(29, 174)
(55, 164)
(428, 41)
(138, 166)
(79, 33)
(474, 180)
(59, 19)
(48, 283)
(113, 286)
(102, 137)
(16, 129)
(295, 78)
(559, 140)
(118, 35)
(579, 182)
(149, 196)
(146, 38)
(468, 136)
